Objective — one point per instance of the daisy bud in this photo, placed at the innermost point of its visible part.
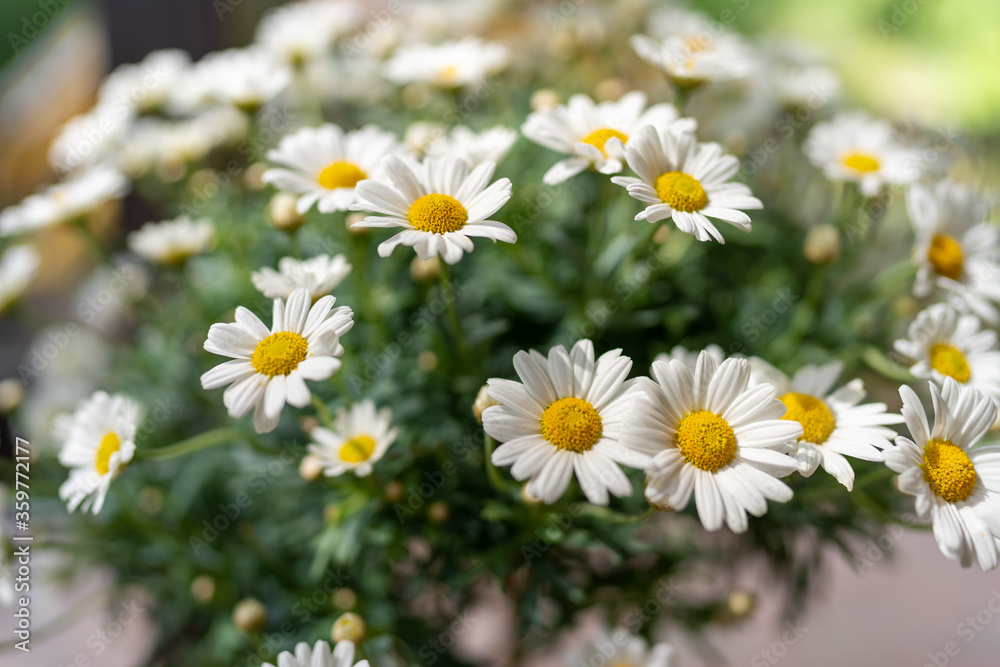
(348, 628)
(344, 598)
(250, 615)
(528, 498)
(253, 176)
(353, 218)
(659, 507)
(822, 244)
(438, 511)
(427, 361)
(308, 423)
(740, 604)
(11, 395)
(425, 270)
(483, 401)
(394, 491)
(662, 234)
(203, 588)
(310, 468)
(150, 500)
(281, 210)
(544, 98)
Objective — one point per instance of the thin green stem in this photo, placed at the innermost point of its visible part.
(323, 413)
(92, 242)
(491, 471)
(449, 296)
(193, 444)
(611, 516)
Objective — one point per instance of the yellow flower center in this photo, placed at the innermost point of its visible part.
(340, 175)
(279, 354)
(862, 162)
(948, 470)
(598, 138)
(946, 256)
(357, 449)
(110, 444)
(706, 440)
(437, 214)
(681, 191)
(449, 75)
(949, 360)
(814, 415)
(572, 424)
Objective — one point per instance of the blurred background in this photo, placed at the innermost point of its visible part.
(912, 60)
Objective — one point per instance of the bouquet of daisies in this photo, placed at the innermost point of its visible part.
(533, 305)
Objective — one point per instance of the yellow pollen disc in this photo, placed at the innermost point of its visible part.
(706, 440)
(357, 449)
(279, 354)
(949, 360)
(696, 43)
(598, 138)
(449, 75)
(340, 175)
(681, 191)
(946, 256)
(572, 424)
(948, 470)
(437, 214)
(814, 415)
(110, 444)
(861, 162)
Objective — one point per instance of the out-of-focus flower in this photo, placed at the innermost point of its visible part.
(834, 425)
(18, 267)
(687, 182)
(319, 656)
(447, 65)
(146, 86)
(490, 145)
(595, 135)
(440, 204)
(243, 78)
(690, 357)
(324, 164)
(318, 274)
(956, 248)
(566, 417)
(621, 648)
(98, 442)
(89, 139)
(270, 367)
(301, 32)
(172, 241)
(360, 437)
(64, 202)
(710, 435)
(944, 344)
(854, 147)
(953, 478)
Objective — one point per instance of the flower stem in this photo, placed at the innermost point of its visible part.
(611, 516)
(92, 242)
(193, 444)
(323, 413)
(491, 470)
(448, 294)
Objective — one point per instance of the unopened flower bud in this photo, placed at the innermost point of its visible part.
(348, 628)
(310, 468)
(282, 212)
(203, 588)
(425, 270)
(822, 244)
(483, 401)
(544, 98)
(250, 615)
(740, 604)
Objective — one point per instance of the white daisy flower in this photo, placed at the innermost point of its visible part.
(244, 78)
(172, 242)
(490, 145)
(88, 139)
(18, 268)
(319, 656)
(690, 357)
(955, 482)
(956, 248)
(855, 147)
(144, 87)
(833, 424)
(301, 32)
(64, 202)
(710, 435)
(595, 134)
(98, 442)
(270, 367)
(567, 417)
(687, 182)
(447, 65)
(358, 440)
(324, 164)
(621, 648)
(440, 204)
(944, 344)
(318, 274)
(691, 55)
